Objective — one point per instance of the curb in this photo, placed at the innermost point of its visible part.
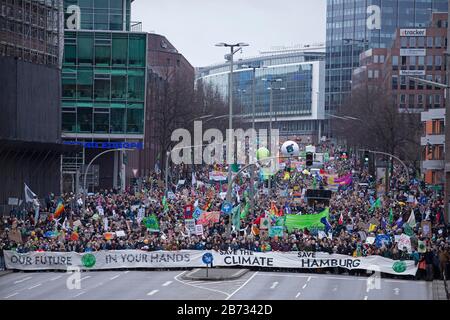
(190, 276)
(5, 272)
(439, 289)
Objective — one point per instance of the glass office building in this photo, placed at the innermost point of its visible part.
(296, 108)
(354, 26)
(104, 72)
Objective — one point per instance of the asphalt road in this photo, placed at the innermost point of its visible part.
(158, 285)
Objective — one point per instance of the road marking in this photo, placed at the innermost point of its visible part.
(245, 283)
(368, 289)
(55, 278)
(366, 297)
(235, 274)
(167, 283)
(304, 286)
(282, 275)
(298, 295)
(396, 291)
(87, 277)
(11, 295)
(115, 277)
(126, 272)
(274, 285)
(82, 292)
(309, 279)
(198, 287)
(335, 289)
(35, 286)
(152, 292)
(25, 279)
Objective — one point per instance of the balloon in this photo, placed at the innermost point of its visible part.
(262, 153)
(290, 149)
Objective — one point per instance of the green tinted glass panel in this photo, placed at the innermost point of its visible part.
(103, 55)
(137, 51)
(118, 120)
(69, 88)
(135, 120)
(118, 87)
(70, 55)
(101, 122)
(68, 121)
(85, 49)
(85, 84)
(119, 50)
(84, 118)
(136, 88)
(102, 89)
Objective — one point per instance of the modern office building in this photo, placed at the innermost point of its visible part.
(103, 88)
(298, 109)
(31, 34)
(354, 26)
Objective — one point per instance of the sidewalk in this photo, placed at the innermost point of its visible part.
(214, 274)
(439, 290)
(5, 272)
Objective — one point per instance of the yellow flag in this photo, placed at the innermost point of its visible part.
(372, 227)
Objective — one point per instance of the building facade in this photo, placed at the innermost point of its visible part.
(103, 88)
(354, 26)
(297, 109)
(31, 34)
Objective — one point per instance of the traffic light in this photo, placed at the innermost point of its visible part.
(309, 159)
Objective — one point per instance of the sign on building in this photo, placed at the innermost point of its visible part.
(413, 32)
(413, 52)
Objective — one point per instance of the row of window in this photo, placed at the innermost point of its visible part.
(419, 101)
(415, 85)
(105, 49)
(419, 42)
(103, 120)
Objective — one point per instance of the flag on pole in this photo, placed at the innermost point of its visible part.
(412, 219)
(59, 210)
(236, 217)
(29, 195)
(376, 204)
(194, 179)
(164, 203)
(341, 219)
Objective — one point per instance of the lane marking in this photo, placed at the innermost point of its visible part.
(55, 278)
(298, 295)
(126, 272)
(39, 284)
(115, 277)
(167, 283)
(11, 295)
(198, 287)
(309, 279)
(25, 279)
(366, 297)
(335, 289)
(304, 286)
(396, 291)
(87, 277)
(245, 283)
(152, 292)
(274, 285)
(282, 275)
(82, 292)
(235, 274)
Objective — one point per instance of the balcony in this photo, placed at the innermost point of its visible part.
(433, 114)
(433, 165)
(136, 26)
(433, 139)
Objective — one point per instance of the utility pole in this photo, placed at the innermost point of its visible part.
(447, 129)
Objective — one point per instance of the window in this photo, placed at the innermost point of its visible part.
(70, 54)
(376, 74)
(412, 42)
(411, 100)
(370, 74)
(68, 120)
(438, 42)
(118, 119)
(394, 82)
(429, 42)
(420, 101)
(118, 87)
(429, 62)
(119, 50)
(69, 86)
(103, 55)
(136, 88)
(102, 89)
(101, 120)
(137, 51)
(404, 42)
(420, 42)
(135, 119)
(438, 62)
(382, 59)
(85, 84)
(84, 119)
(85, 49)
(437, 100)
(375, 59)
(412, 63)
(420, 63)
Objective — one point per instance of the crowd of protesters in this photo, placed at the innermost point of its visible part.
(353, 217)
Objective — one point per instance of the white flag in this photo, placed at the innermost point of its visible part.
(105, 224)
(29, 195)
(412, 219)
(194, 180)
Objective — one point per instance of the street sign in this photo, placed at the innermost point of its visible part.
(227, 207)
(207, 258)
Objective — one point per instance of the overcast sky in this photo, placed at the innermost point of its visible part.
(194, 26)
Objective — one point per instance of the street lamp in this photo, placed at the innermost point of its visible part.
(252, 172)
(271, 88)
(230, 97)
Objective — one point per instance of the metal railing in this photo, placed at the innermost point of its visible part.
(136, 26)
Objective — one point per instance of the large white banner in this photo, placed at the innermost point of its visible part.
(193, 259)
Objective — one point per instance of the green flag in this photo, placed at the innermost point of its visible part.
(244, 213)
(391, 217)
(408, 230)
(376, 204)
(164, 203)
(236, 217)
(309, 221)
(235, 167)
(151, 223)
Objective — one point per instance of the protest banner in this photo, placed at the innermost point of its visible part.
(426, 228)
(107, 260)
(190, 225)
(306, 221)
(208, 218)
(199, 230)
